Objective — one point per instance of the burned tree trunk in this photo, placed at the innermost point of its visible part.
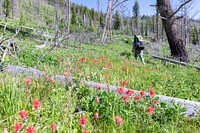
(66, 15)
(173, 33)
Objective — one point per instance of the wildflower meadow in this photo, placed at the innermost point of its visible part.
(44, 105)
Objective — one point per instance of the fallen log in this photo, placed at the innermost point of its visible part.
(192, 107)
(175, 62)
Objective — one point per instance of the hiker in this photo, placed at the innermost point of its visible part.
(138, 47)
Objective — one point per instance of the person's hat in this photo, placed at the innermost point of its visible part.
(140, 38)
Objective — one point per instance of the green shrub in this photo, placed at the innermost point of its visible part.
(128, 41)
(91, 29)
(74, 28)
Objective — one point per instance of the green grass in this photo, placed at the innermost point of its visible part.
(172, 80)
(64, 106)
(60, 105)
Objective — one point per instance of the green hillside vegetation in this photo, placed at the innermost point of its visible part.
(77, 109)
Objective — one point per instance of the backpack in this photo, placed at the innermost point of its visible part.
(140, 46)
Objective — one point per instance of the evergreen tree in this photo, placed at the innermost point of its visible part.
(73, 7)
(147, 27)
(91, 27)
(73, 18)
(136, 13)
(61, 2)
(142, 29)
(125, 24)
(136, 9)
(81, 9)
(117, 21)
(22, 19)
(92, 14)
(101, 20)
(88, 12)
(80, 21)
(125, 21)
(149, 24)
(85, 11)
(195, 35)
(61, 24)
(6, 7)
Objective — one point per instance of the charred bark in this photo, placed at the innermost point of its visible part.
(173, 33)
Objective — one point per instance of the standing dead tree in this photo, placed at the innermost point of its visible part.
(14, 9)
(98, 7)
(184, 24)
(173, 33)
(55, 23)
(112, 5)
(69, 14)
(66, 14)
(38, 8)
(108, 14)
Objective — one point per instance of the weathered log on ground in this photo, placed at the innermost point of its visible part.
(192, 108)
(175, 62)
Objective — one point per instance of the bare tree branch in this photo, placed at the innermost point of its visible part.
(9, 42)
(192, 17)
(99, 70)
(4, 32)
(180, 8)
(180, 17)
(162, 17)
(44, 55)
(115, 2)
(115, 6)
(6, 49)
(57, 42)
